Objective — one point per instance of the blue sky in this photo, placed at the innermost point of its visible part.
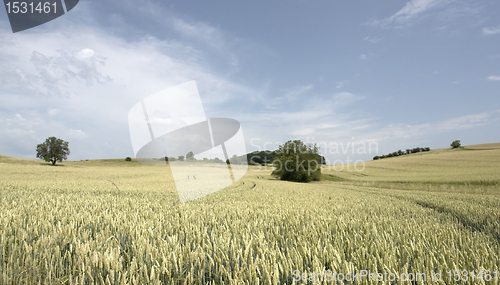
(398, 73)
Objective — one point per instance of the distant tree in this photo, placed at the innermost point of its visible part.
(181, 157)
(455, 144)
(235, 160)
(297, 161)
(217, 160)
(128, 158)
(190, 156)
(427, 149)
(171, 159)
(376, 157)
(400, 152)
(261, 157)
(53, 150)
(408, 151)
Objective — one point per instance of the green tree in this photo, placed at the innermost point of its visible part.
(190, 156)
(455, 144)
(181, 158)
(53, 150)
(297, 161)
(128, 158)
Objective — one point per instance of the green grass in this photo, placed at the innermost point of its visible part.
(71, 225)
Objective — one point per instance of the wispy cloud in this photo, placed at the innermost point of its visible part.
(346, 98)
(296, 91)
(363, 57)
(289, 96)
(373, 40)
(412, 10)
(491, 31)
(79, 84)
(494, 78)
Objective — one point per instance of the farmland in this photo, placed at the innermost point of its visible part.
(117, 222)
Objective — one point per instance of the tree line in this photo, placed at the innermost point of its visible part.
(400, 152)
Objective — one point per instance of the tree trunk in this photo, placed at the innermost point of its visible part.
(53, 162)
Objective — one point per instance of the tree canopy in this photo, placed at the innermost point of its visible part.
(53, 150)
(455, 144)
(297, 161)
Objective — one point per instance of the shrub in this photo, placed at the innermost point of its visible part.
(128, 158)
(455, 144)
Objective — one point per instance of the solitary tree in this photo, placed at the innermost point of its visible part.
(297, 161)
(455, 144)
(53, 150)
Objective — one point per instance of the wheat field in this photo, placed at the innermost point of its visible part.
(116, 222)
(442, 166)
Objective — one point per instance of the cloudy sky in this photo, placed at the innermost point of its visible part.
(401, 74)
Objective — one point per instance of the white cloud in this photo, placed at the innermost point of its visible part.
(363, 57)
(78, 83)
(52, 112)
(289, 96)
(346, 98)
(411, 10)
(491, 31)
(79, 134)
(303, 132)
(372, 40)
(296, 91)
(494, 78)
(415, 131)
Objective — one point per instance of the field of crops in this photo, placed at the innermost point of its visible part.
(442, 166)
(484, 146)
(116, 222)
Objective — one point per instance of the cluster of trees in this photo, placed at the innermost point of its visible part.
(190, 157)
(261, 157)
(400, 152)
(298, 162)
(265, 157)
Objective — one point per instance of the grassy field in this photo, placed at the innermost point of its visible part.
(117, 222)
(460, 169)
(484, 146)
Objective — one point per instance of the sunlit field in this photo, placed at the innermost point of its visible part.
(117, 222)
(462, 169)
